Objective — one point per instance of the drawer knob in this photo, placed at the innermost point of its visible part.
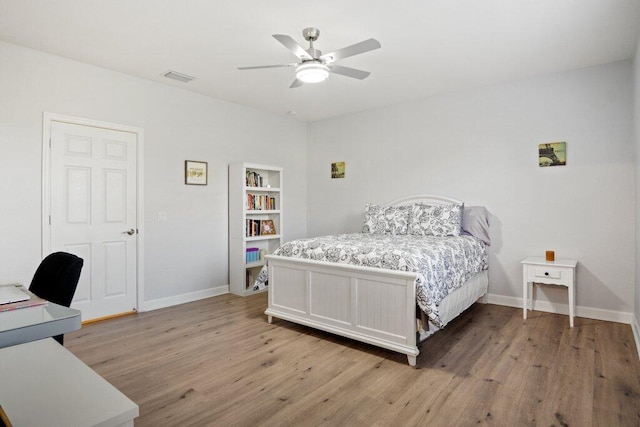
(546, 273)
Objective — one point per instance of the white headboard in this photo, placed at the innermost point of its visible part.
(427, 199)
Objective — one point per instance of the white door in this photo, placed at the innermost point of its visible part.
(93, 213)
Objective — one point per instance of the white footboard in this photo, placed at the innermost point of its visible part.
(372, 305)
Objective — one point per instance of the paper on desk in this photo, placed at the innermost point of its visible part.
(12, 293)
(26, 298)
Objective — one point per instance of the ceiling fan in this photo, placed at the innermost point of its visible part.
(315, 67)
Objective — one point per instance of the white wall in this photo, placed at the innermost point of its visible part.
(480, 146)
(186, 254)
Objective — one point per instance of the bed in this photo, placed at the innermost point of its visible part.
(376, 301)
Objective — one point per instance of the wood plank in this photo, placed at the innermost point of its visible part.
(616, 377)
(218, 362)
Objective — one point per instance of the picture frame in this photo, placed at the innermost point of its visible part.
(338, 170)
(552, 154)
(195, 172)
(267, 227)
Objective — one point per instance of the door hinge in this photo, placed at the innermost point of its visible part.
(49, 219)
(137, 231)
(49, 142)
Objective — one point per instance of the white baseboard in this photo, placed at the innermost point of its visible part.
(183, 298)
(636, 333)
(546, 306)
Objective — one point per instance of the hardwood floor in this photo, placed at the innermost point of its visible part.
(218, 362)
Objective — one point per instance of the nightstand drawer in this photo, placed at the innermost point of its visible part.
(548, 273)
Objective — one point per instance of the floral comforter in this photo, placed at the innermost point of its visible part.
(443, 264)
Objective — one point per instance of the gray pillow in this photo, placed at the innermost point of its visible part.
(475, 222)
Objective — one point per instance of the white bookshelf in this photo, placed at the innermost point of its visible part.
(266, 194)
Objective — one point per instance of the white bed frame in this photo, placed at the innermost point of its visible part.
(373, 305)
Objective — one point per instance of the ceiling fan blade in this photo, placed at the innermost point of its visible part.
(267, 66)
(349, 72)
(294, 47)
(296, 83)
(354, 49)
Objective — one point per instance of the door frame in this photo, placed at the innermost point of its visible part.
(47, 120)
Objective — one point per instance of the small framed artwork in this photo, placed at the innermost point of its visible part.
(195, 173)
(552, 154)
(267, 227)
(337, 169)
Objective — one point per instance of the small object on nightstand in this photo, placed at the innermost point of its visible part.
(559, 272)
(550, 256)
(4, 420)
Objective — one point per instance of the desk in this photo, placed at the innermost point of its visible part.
(43, 384)
(35, 323)
(559, 272)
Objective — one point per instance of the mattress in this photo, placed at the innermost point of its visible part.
(443, 264)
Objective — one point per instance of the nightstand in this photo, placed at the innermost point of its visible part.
(560, 272)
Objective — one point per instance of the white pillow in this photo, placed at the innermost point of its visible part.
(386, 219)
(438, 220)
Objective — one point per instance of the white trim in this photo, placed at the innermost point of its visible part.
(581, 311)
(636, 333)
(47, 118)
(184, 298)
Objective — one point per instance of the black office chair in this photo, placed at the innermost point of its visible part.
(56, 280)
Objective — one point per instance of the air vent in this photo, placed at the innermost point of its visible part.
(178, 76)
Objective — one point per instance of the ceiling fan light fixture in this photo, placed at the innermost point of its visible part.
(312, 72)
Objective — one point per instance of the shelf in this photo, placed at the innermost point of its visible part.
(252, 292)
(261, 212)
(267, 237)
(266, 189)
(254, 264)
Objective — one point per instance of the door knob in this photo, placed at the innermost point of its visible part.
(130, 232)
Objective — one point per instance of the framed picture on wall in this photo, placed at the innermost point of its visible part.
(337, 170)
(552, 154)
(195, 173)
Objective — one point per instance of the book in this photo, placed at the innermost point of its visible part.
(252, 255)
(257, 227)
(252, 228)
(254, 179)
(260, 202)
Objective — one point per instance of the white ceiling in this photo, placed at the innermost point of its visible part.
(428, 46)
